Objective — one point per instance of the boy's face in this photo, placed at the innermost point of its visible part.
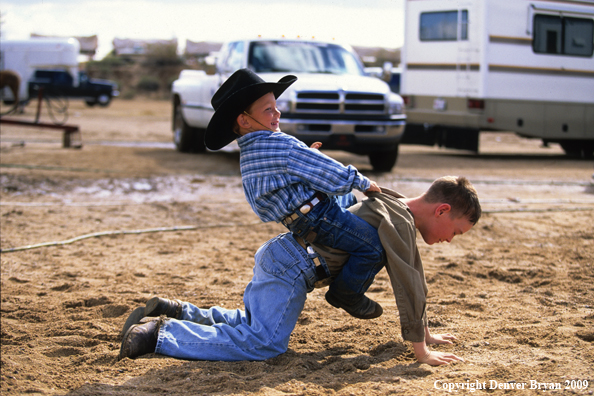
(263, 114)
(443, 226)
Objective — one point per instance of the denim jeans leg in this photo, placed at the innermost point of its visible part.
(343, 230)
(273, 301)
(211, 315)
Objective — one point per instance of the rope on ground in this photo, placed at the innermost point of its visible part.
(124, 232)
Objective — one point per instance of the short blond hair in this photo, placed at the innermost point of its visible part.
(459, 193)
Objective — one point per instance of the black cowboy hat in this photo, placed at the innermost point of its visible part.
(236, 94)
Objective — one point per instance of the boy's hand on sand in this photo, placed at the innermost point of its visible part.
(439, 339)
(435, 358)
(373, 187)
(316, 145)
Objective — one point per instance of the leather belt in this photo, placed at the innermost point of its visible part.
(304, 208)
(320, 270)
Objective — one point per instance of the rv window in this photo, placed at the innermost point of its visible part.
(444, 26)
(563, 35)
(579, 35)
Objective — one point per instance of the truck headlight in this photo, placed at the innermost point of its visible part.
(396, 104)
(283, 106)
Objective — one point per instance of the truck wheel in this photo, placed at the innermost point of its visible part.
(383, 161)
(186, 138)
(91, 103)
(103, 100)
(578, 148)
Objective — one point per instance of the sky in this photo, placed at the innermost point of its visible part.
(368, 23)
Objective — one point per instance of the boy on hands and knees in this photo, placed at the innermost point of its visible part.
(287, 182)
(449, 208)
(276, 295)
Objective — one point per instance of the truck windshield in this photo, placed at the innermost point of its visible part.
(302, 57)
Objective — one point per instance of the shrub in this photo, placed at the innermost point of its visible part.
(128, 94)
(148, 84)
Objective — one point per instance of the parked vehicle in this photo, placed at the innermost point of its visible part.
(333, 101)
(26, 56)
(506, 65)
(389, 74)
(59, 83)
(53, 64)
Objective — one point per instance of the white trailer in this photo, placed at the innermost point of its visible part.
(26, 56)
(508, 65)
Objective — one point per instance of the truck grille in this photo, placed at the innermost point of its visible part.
(339, 103)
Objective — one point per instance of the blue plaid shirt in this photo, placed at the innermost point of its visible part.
(279, 173)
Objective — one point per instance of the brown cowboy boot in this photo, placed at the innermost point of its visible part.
(365, 308)
(156, 306)
(140, 339)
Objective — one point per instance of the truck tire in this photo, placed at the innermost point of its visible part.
(383, 161)
(186, 138)
(90, 102)
(103, 100)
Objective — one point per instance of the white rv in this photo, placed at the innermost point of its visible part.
(509, 65)
(26, 56)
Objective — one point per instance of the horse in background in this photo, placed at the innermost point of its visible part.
(12, 80)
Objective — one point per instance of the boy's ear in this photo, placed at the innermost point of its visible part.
(441, 209)
(243, 121)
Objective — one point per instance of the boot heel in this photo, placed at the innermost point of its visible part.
(157, 306)
(133, 319)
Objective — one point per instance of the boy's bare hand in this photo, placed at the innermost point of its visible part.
(316, 145)
(439, 339)
(373, 187)
(435, 358)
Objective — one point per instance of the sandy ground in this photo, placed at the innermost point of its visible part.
(517, 290)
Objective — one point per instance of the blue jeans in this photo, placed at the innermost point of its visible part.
(283, 275)
(338, 228)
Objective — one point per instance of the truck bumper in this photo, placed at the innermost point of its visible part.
(358, 136)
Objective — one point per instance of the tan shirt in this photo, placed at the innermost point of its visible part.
(396, 228)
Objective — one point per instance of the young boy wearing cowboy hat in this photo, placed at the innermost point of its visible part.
(287, 182)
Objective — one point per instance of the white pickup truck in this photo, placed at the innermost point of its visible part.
(332, 102)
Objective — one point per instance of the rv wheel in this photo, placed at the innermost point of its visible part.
(578, 148)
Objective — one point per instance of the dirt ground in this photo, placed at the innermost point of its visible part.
(517, 290)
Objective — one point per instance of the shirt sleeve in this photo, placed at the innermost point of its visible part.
(407, 279)
(323, 173)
